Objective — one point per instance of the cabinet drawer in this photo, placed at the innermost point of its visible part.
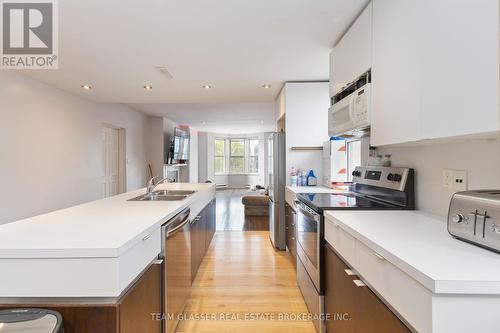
(343, 243)
(136, 259)
(412, 300)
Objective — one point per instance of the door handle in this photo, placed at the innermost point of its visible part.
(378, 256)
(157, 262)
(359, 283)
(145, 238)
(350, 272)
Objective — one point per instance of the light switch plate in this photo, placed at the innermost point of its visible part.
(448, 179)
(460, 180)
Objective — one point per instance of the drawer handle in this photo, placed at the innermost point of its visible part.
(350, 272)
(336, 225)
(293, 238)
(378, 256)
(145, 238)
(359, 283)
(158, 262)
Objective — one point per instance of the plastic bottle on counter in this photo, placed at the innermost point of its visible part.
(304, 178)
(299, 178)
(386, 160)
(293, 177)
(312, 180)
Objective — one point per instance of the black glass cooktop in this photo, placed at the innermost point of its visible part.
(332, 201)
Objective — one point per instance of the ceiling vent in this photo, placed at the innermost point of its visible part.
(164, 71)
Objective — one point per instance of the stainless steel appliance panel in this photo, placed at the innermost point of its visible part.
(176, 252)
(474, 216)
(314, 301)
(309, 240)
(277, 183)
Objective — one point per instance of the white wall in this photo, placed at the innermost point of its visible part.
(193, 156)
(306, 124)
(479, 157)
(202, 157)
(51, 149)
(155, 145)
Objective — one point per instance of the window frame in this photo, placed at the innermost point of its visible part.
(244, 156)
(224, 156)
(250, 155)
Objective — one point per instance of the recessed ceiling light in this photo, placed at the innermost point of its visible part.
(206, 86)
(148, 87)
(86, 86)
(266, 86)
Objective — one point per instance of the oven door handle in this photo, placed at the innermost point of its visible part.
(315, 217)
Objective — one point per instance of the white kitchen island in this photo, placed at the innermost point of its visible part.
(435, 283)
(90, 251)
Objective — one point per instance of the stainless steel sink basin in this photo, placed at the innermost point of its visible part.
(159, 197)
(174, 192)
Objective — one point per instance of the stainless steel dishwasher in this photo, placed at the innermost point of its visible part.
(176, 252)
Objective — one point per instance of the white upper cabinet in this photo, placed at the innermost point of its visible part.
(352, 56)
(435, 69)
(460, 90)
(395, 73)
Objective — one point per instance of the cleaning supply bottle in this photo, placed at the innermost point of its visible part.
(312, 180)
(293, 177)
(299, 177)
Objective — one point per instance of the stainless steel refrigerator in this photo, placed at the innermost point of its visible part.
(277, 183)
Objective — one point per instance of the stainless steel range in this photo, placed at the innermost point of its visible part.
(373, 188)
(474, 216)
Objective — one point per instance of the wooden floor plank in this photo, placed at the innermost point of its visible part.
(242, 275)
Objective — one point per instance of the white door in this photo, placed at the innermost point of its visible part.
(111, 155)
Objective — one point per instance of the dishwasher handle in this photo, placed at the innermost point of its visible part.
(179, 227)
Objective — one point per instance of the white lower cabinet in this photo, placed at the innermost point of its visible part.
(412, 300)
(419, 308)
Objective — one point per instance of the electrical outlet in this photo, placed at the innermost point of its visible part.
(460, 180)
(448, 180)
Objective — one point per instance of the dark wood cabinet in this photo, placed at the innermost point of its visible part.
(211, 223)
(351, 305)
(140, 302)
(290, 232)
(202, 231)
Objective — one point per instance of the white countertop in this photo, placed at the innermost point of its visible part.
(102, 228)
(419, 244)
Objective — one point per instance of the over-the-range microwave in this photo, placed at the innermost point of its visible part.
(350, 113)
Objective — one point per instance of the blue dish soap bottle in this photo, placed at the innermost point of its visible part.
(311, 179)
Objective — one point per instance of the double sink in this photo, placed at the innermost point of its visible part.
(164, 195)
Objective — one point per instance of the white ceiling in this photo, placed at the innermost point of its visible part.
(227, 118)
(234, 45)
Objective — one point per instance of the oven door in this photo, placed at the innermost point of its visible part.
(309, 241)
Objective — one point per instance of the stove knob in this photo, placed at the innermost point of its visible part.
(390, 177)
(354, 173)
(457, 218)
(397, 177)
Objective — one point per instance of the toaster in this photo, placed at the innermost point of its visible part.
(474, 217)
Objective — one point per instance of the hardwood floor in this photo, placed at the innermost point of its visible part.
(242, 275)
(231, 213)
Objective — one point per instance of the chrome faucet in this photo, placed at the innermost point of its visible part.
(150, 187)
